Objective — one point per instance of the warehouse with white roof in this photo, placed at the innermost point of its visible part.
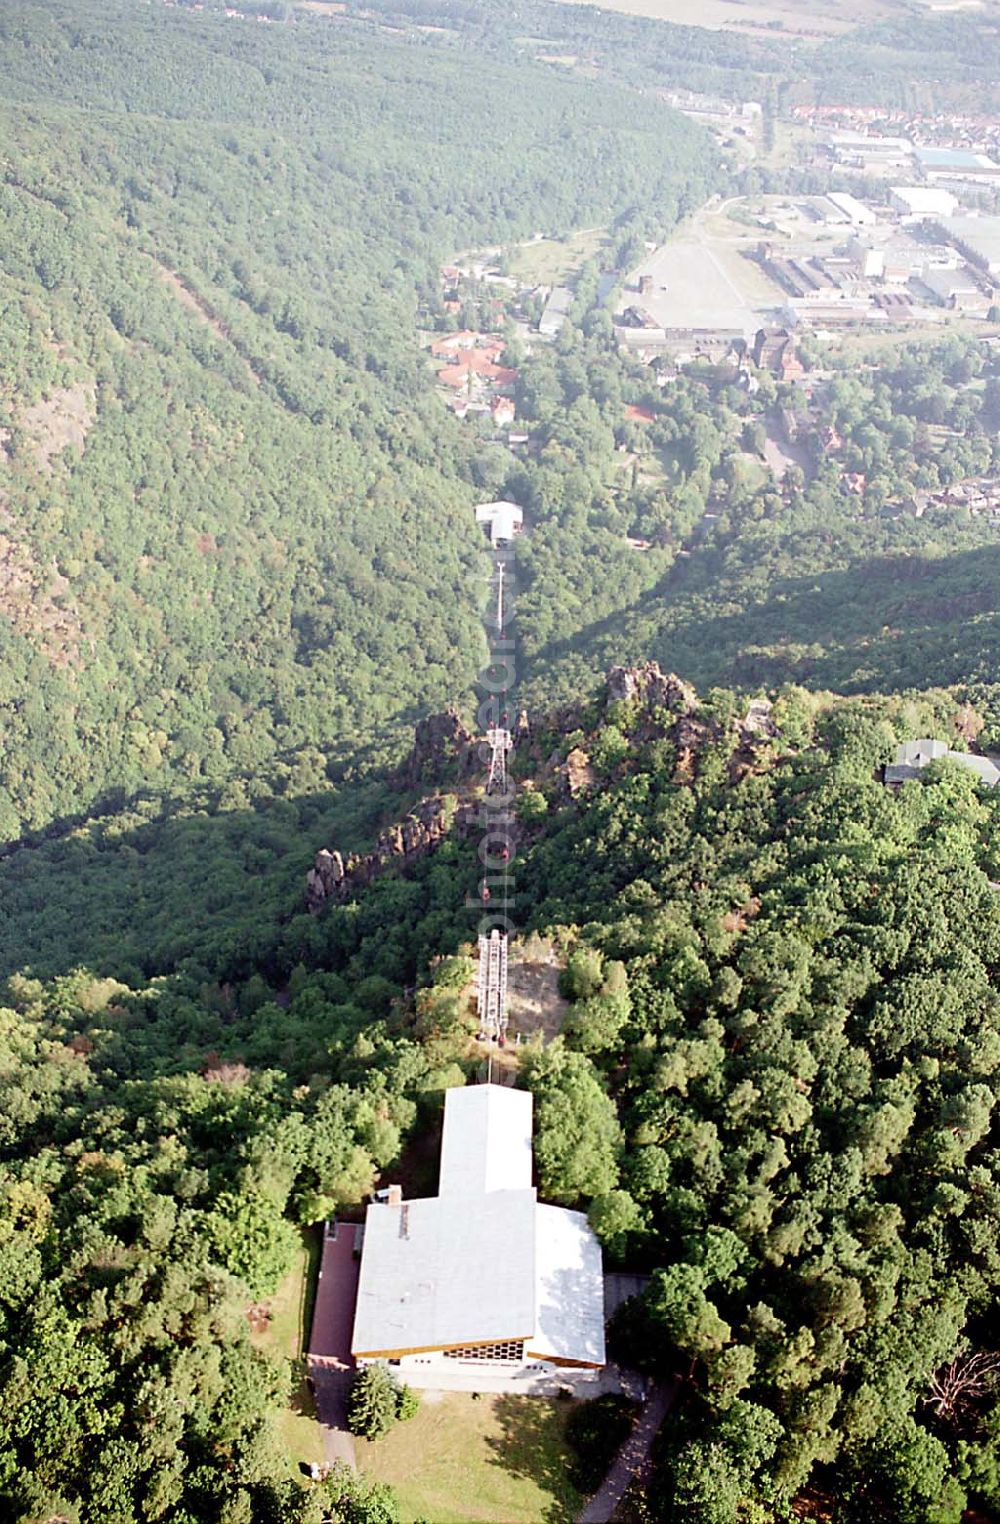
(919, 201)
(482, 1286)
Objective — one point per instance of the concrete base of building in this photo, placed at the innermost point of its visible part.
(519, 1380)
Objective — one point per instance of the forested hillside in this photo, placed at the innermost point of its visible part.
(922, 61)
(775, 1090)
(237, 561)
(235, 521)
(737, 580)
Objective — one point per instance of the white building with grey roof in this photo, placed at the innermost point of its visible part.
(482, 1287)
(502, 521)
(913, 756)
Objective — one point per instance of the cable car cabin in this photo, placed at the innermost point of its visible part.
(484, 892)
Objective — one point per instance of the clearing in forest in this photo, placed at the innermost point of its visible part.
(533, 998)
(552, 261)
(61, 419)
(466, 1459)
(818, 20)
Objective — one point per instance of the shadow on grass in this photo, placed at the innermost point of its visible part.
(301, 1401)
(312, 1238)
(532, 1444)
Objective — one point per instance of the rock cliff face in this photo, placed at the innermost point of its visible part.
(753, 733)
(658, 692)
(334, 877)
(446, 752)
(443, 747)
(653, 688)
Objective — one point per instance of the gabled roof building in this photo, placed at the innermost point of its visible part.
(913, 756)
(502, 520)
(482, 1287)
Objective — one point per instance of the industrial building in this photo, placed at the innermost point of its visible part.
(556, 311)
(978, 238)
(482, 1287)
(922, 201)
(870, 155)
(955, 289)
(956, 164)
(853, 210)
(868, 261)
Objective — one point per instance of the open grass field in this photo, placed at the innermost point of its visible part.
(549, 261)
(818, 19)
(464, 1460)
(286, 1335)
(867, 348)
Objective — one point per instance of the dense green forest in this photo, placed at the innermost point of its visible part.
(919, 62)
(774, 1090)
(235, 519)
(237, 562)
(742, 582)
(790, 994)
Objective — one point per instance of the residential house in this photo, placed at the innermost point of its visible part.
(774, 351)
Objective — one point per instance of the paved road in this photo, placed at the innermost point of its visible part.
(632, 1459)
(331, 1389)
(331, 1365)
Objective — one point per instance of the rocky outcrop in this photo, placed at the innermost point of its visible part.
(753, 732)
(758, 722)
(443, 748)
(652, 688)
(577, 774)
(446, 752)
(690, 737)
(334, 877)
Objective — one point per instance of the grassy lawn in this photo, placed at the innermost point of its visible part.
(285, 1335)
(491, 1460)
(817, 20)
(552, 260)
(868, 346)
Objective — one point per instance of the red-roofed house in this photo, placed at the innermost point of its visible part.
(476, 364)
(455, 343)
(503, 411)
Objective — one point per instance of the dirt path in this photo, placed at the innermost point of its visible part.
(194, 303)
(632, 1460)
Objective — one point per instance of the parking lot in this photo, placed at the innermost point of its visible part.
(702, 279)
